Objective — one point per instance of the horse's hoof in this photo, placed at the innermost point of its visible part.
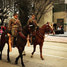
(0, 58)
(9, 61)
(16, 62)
(31, 56)
(24, 54)
(42, 58)
(23, 66)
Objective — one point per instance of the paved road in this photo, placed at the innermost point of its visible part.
(55, 55)
(55, 39)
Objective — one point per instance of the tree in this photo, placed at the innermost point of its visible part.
(27, 7)
(3, 15)
(38, 7)
(24, 7)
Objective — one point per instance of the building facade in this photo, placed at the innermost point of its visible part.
(60, 14)
(57, 15)
(47, 17)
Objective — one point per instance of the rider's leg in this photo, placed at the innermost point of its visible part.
(14, 41)
(31, 38)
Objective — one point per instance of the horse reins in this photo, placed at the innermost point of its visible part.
(40, 34)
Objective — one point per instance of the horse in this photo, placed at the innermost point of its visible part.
(20, 44)
(39, 37)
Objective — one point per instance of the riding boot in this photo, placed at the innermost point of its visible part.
(14, 42)
(31, 40)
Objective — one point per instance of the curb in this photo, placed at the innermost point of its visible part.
(56, 42)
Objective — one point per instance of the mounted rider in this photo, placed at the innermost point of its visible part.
(32, 22)
(33, 26)
(14, 27)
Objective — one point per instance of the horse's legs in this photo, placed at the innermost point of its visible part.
(20, 56)
(41, 51)
(16, 61)
(24, 53)
(0, 55)
(8, 58)
(34, 46)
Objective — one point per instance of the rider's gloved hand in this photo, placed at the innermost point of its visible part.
(37, 27)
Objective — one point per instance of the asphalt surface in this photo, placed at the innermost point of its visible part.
(55, 55)
(55, 39)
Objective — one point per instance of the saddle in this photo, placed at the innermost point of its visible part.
(12, 40)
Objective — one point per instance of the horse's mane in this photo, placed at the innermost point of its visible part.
(43, 26)
(25, 30)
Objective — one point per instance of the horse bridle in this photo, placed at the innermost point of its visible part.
(41, 34)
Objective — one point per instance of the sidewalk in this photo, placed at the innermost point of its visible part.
(61, 35)
(61, 38)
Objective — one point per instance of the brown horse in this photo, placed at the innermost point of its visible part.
(39, 37)
(20, 44)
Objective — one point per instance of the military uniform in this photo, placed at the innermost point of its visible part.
(32, 21)
(14, 26)
(33, 24)
(33, 27)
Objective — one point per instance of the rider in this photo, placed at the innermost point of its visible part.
(32, 21)
(33, 25)
(14, 26)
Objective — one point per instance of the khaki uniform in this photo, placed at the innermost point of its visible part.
(33, 26)
(14, 26)
(31, 20)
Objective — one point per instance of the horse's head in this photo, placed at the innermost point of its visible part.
(47, 28)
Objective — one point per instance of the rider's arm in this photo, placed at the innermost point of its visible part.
(19, 23)
(30, 20)
(35, 22)
(20, 26)
(10, 24)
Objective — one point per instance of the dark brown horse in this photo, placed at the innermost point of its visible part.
(39, 37)
(20, 44)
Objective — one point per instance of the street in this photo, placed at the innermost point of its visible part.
(55, 55)
(40, 19)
